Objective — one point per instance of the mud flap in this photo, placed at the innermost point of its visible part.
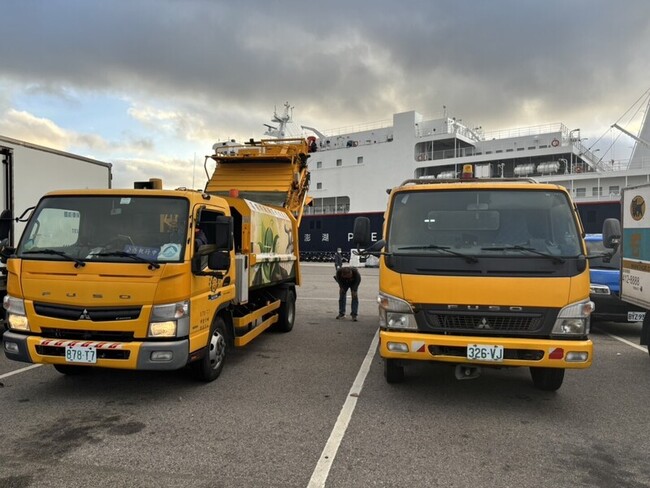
(645, 330)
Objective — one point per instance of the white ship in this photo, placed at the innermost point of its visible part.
(352, 168)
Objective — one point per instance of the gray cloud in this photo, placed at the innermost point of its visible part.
(500, 63)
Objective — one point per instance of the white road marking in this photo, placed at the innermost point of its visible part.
(21, 370)
(322, 469)
(624, 341)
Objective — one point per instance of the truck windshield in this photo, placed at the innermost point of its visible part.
(133, 229)
(484, 223)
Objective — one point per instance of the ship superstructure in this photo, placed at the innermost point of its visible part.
(352, 167)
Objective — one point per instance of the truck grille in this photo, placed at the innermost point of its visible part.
(484, 322)
(103, 314)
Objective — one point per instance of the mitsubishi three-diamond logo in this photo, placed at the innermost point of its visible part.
(483, 324)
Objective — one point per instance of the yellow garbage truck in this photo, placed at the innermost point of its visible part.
(482, 273)
(155, 279)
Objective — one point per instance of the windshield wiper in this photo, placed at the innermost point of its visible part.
(134, 256)
(78, 262)
(469, 259)
(555, 259)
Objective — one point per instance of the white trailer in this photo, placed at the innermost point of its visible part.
(29, 171)
(635, 251)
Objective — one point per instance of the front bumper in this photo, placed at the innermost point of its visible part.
(543, 353)
(117, 355)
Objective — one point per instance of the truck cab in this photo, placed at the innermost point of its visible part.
(483, 273)
(155, 279)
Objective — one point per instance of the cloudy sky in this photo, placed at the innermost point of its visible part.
(150, 85)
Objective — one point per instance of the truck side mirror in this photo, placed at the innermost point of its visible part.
(361, 232)
(219, 261)
(5, 223)
(611, 233)
(5, 250)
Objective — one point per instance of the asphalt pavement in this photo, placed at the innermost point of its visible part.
(312, 408)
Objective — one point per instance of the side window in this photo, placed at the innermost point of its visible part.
(205, 228)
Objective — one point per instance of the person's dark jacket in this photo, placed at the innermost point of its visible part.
(352, 282)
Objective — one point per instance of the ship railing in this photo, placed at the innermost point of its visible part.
(341, 142)
(534, 130)
(352, 129)
(464, 152)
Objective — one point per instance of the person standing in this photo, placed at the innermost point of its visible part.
(348, 278)
(338, 259)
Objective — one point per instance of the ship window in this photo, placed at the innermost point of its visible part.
(597, 191)
(531, 147)
(330, 205)
(614, 190)
(319, 186)
(319, 164)
(339, 162)
(360, 160)
(520, 149)
(581, 192)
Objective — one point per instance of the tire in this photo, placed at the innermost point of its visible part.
(287, 312)
(70, 370)
(547, 379)
(209, 367)
(393, 371)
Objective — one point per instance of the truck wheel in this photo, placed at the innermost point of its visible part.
(287, 313)
(71, 370)
(547, 379)
(209, 367)
(393, 371)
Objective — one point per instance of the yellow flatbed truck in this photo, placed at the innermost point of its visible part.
(482, 273)
(155, 279)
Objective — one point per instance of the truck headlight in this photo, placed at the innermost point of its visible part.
(573, 320)
(16, 316)
(170, 320)
(395, 313)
